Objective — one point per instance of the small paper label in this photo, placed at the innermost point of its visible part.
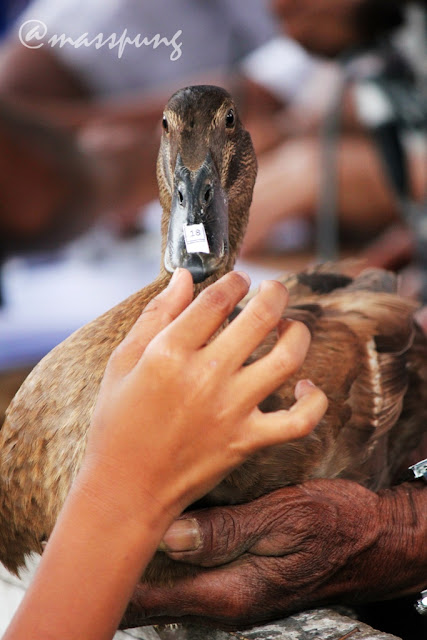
(195, 238)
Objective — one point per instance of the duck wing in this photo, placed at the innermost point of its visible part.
(365, 354)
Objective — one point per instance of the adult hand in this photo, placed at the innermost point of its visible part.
(327, 541)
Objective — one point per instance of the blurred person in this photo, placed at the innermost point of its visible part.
(290, 175)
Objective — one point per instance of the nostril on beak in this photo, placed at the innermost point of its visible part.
(180, 197)
(208, 194)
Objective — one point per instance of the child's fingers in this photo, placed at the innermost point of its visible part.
(269, 429)
(264, 376)
(157, 315)
(262, 314)
(209, 310)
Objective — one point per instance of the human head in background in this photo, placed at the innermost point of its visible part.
(338, 25)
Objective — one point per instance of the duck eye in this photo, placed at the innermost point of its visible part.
(230, 119)
(165, 124)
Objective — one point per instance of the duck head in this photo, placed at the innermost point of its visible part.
(206, 171)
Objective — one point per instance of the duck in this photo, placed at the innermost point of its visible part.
(366, 353)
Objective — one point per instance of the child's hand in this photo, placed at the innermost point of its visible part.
(175, 414)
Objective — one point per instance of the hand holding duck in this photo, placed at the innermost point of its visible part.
(320, 543)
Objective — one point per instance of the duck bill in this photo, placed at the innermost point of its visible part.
(198, 227)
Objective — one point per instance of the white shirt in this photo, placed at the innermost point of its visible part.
(215, 34)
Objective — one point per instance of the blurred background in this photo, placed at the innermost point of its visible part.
(333, 93)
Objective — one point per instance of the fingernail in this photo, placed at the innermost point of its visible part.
(182, 535)
(175, 275)
(263, 285)
(245, 277)
(302, 387)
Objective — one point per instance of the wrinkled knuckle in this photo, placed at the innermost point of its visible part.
(152, 307)
(126, 349)
(166, 316)
(321, 517)
(303, 519)
(286, 362)
(225, 533)
(264, 315)
(162, 351)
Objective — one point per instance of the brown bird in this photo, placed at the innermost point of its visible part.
(367, 354)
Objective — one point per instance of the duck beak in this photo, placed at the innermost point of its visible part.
(198, 226)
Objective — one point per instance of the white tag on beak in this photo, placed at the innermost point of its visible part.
(195, 238)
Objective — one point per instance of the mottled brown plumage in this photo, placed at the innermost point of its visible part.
(371, 361)
(366, 353)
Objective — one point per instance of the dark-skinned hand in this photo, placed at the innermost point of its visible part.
(327, 541)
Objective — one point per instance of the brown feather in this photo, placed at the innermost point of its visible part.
(366, 354)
